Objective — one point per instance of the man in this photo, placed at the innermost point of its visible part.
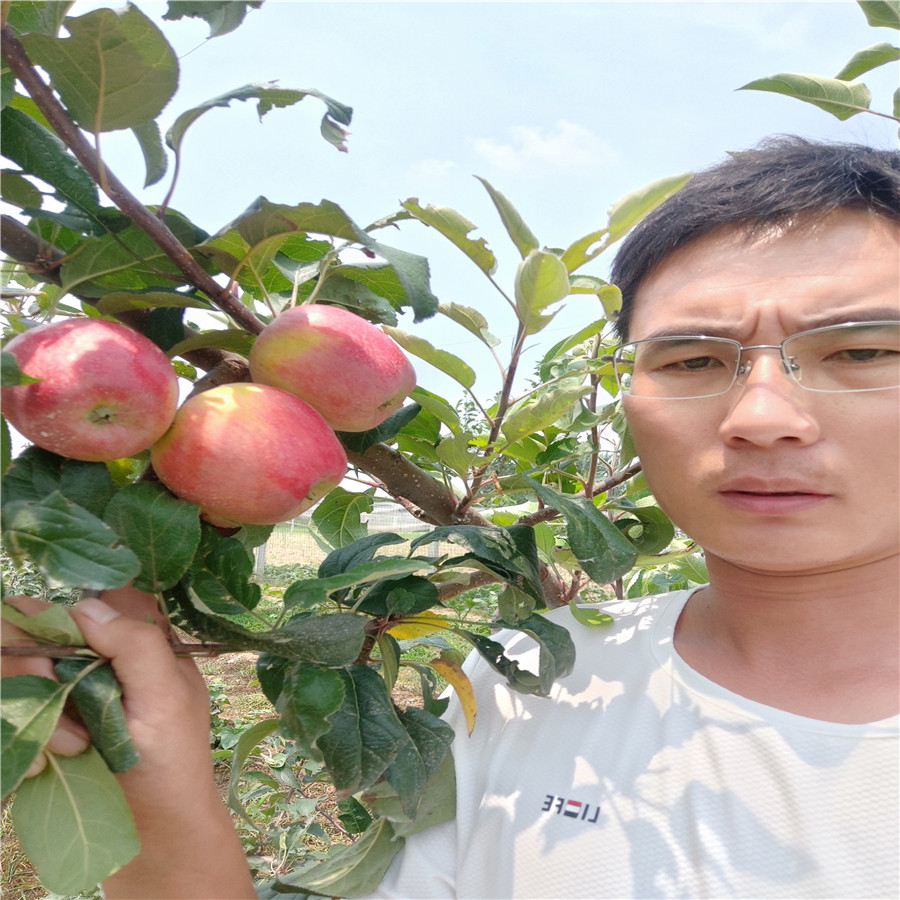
(732, 741)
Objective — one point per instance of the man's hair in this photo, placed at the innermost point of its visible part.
(785, 182)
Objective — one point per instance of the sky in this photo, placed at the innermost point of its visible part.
(563, 106)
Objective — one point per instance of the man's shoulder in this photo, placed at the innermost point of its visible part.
(617, 622)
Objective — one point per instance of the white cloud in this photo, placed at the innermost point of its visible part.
(532, 150)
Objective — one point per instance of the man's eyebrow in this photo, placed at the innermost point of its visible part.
(725, 330)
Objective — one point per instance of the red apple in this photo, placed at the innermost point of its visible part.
(249, 454)
(105, 392)
(347, 369)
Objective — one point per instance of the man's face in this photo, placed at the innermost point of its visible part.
(769, 476)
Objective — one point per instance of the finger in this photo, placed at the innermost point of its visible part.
(68, 738)
(138, 650)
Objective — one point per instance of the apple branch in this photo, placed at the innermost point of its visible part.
(21, 66)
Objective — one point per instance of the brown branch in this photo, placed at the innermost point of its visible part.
(550, 512)
(402, 478)
(40, 258)
(18, 61)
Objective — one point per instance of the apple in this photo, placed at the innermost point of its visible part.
(249, 454)
(347, 369)
(105, 391)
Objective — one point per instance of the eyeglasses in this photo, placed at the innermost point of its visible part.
(856, 356)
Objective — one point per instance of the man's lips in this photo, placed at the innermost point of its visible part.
(778, 496)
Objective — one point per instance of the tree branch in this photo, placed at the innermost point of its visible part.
(18, 61)
(550, 512)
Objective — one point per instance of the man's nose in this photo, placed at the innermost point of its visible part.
(768, 405)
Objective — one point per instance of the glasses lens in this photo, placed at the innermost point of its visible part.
(859, 357)
(677, 367)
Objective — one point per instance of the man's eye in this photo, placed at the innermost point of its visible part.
(695, 364)
(862, 354)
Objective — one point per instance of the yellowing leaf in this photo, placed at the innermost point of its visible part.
(418, 626)
(449, 669)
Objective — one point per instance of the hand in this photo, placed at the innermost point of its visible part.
(170, 790)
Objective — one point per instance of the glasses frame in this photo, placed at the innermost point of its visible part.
(742, 366)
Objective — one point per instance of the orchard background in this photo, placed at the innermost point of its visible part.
(519, 474)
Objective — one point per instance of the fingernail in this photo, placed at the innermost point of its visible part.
(96, 610)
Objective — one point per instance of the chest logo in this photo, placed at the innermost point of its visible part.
(572, 809)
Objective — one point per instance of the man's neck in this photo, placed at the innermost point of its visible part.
(822, 645)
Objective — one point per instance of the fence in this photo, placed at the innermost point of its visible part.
(293, 543)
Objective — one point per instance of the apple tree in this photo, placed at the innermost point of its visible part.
(532, 482)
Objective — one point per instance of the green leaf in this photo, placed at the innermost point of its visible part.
(427, 741)
(98, 697)
(326, 640)
(840, 98)
(228, 339)
(32, 706)
(608, 294)
(313, 591)
(162, 531)
(53, 624)
(45, 16)
(249, 739)
(870, 58)
(445, 362)
(115, 302)
(350, 870)
(221, 574)
(557, 652)
(535, 414)
(438, 407)
(437, 804)
(881, 13)
(116, 70)
(589, 615)
(353, 815)
(403, 596)
(470, 319)
(541, 280)
(356, 554)
(17, 190)
(127, 260)
(360, 441)
(413, 274)
(12, 375)
(647, 528)
(337, 519)
(222, 16)
(150, 141)
(456, 454)
(74, 824)
(603, 551)
(455, 228)
(516, 228)
(70, 546)
(585, 249)
(625, 213)
(41, 153)
(509, 552)
(519, 679)
(36, 473)
(5, 446)
(365, 733)
(309, 695)
(268, 95)
(514, 605)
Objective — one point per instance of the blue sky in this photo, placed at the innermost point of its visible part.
(564, 107)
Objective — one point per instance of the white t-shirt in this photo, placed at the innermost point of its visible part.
(641, 778)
